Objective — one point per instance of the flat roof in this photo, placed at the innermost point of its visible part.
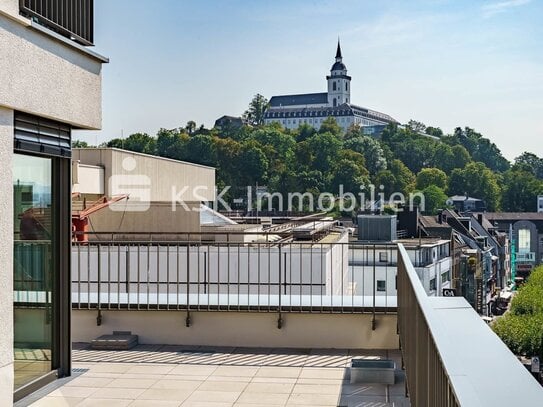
(156, 157)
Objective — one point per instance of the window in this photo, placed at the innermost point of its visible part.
(445, 277)
(335, 102)
(383, 257)
(334, 86)
(524, 240)
(433, 284)
(381, 285)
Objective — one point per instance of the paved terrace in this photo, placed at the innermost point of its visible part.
(162, 375)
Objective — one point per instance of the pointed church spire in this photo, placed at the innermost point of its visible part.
(338, 52)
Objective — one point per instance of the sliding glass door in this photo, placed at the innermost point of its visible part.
(34, 273)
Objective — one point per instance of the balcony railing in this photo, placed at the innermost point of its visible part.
(527, 257)
(71, 18)
(231, 276)
(451, 356)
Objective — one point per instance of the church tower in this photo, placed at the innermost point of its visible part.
(339, 83)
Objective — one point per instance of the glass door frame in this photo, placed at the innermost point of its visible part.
(61, 348)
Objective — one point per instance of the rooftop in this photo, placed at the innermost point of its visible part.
(514, 216)
(162, 375)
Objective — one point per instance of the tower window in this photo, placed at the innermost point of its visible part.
(334, 86)
(346, 85)
(335, 101)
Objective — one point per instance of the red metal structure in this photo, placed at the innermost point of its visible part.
(80, 218)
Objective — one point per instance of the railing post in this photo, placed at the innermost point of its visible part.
(187, 319)
(373, 322)
(280, 319)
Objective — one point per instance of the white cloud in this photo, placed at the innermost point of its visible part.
(501, 7)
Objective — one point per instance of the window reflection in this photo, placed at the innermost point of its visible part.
(33, 273)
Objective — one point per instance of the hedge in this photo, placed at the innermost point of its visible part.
(521, 329)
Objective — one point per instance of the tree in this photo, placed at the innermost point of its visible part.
(324, 149)
(79, 144)
(304, 132)
(138, 142)
(434, 131)
(520, 191)
(416, 126)
(254, 115)
(434, 199)
(228, 157)
(404, 177)
(190, 126)
(370, 148)
(329, 125)
(200, 149)
(461, 157)
(349, 174)
(171, 143)
(531, 163)
(481, 149)
(521, 329)
(253, 163)
(478, 181)
(398, 178)
(431, 176)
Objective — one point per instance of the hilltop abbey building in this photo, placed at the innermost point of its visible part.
(313, 108)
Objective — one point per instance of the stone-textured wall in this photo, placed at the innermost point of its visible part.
(6, 257)
(45, 77)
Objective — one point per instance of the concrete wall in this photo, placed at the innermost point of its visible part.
(43, 76)
(122, 217)
(11, 8)
(154, 176)
(242, 329)
(6, 257)
(88, 179)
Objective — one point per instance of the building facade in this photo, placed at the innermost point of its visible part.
(292, 111)
(526, 233)
(51, 84)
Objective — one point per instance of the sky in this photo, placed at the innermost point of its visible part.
(444, 63)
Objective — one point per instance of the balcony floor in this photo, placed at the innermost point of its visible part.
(162, 375)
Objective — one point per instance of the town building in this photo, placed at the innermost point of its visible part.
(143, 193)
(463, 203)
(51, 85)
(313, 108)
(229, 122)
(526, 232)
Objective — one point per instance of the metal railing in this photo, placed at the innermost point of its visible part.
(427, 381)
(299, 276)
(451, 357)
(72, 18)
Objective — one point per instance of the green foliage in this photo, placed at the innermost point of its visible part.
(305, 159)
(138, 142)
(478, 181)
(521, 329)
(520, 190)
(329, 125)
(370, 148)
(529, 162)
(431, 176)
(398, 178)
(254, 115)
(434, 199)
(79, 144)
(521, 334)
(480, 148)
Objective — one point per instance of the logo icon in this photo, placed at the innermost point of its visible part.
(136, 186)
